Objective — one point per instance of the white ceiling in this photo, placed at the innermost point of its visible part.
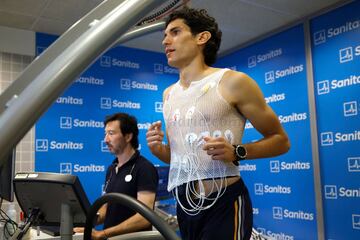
(240, 20)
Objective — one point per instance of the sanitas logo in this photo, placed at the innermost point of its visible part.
(294, 117)
(87, 123)
(253, 60)
(247, 167)
(170, 70)
(275, 98)
(295, 165)
(146, 86)
(66, 168)
(70, 100)
(298, 215)
(127, 104)
(69, 145)
(349, 193)
(348, 26)
(353, 164)
(125, 64)
(352, 80)
(269, 55)
(160, 69)
(346, 55)
(347, 137)
(289, 71)
(279, 236)
(88, 168)
(90, 81)
(127, 84)
(324, 86)
(277, 189)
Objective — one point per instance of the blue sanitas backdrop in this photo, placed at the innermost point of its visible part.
(336, 59)
(281, 188)
(69, 136)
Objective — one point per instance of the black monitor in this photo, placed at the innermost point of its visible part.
(7, 171)
(48, 192)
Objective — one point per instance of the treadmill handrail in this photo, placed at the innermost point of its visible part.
(53, 79)
(135, 205)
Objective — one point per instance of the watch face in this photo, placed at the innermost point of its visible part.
(241, 151)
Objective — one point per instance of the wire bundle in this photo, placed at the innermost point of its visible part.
(197, 199)
(195, 190)
(10, 226)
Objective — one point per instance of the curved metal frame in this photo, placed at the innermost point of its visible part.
(63, 61)
(135, 205)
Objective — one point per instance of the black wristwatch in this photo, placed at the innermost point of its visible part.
(240, 154)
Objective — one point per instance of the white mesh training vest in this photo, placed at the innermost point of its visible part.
(191, 114)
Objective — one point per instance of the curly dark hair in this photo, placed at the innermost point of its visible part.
(128, 124)
(198, 20)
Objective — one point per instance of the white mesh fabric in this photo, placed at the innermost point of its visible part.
(190, 115)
